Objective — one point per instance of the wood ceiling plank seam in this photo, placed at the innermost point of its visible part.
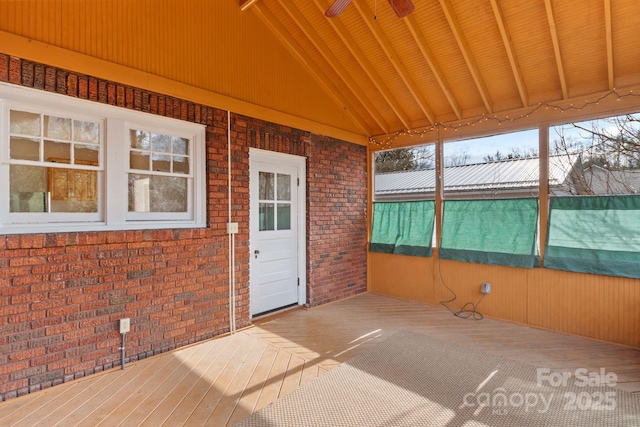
(304, 58)
(581, 34)
(528, 29)
(609, 40)
(506, 38)
(305, 26)
(420, 40)
(463, 45)
(368, 68)
(245, 4)
(321, 66)
(398, 65)
(556, 48)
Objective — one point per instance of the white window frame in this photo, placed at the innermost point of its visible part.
(113, 170)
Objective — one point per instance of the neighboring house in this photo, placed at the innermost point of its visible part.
(597, 180)
(506, 178)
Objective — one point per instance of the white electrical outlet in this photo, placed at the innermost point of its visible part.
(125, 325)
(232, 227)
(485, 288)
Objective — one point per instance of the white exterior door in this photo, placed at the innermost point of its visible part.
(276, 247)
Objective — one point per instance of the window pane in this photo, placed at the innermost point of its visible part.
(160, 143)
(24, 149)
(168, 194)
(24, 123)
(161, 162)
(404, 228)
(139, 160)
(594, 234)
(73, 190)
(284, 187)
(59, 152)
(496, 166)
(151, 193)
(181, 164)
(139, 139)
(180, 146)
(86, 132)
(405, 173)
(500, 232)
(68, 190)
(266, 220)
(266, 186)
(595, 157)
(284, 216)
(86, 154)
(58, 128)
(27, 188)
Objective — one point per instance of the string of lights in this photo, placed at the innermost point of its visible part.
(388, 140)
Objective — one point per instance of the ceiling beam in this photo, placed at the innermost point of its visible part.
(463, 44)
(607, 23)
(304, 26)
(245, 4)
(556, 48)
(402, 71)
(367, 67)
(306, 60)
(420, 40)
(506, 39)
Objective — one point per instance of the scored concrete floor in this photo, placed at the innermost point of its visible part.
(222, 381)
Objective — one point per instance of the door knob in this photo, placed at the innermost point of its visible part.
(256, 252)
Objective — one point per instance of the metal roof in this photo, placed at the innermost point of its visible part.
(507, 175)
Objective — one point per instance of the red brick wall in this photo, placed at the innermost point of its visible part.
(336, 223)
(62, 294)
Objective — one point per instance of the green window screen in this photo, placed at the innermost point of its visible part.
(404, 228)
(500, 232)
(598, 235)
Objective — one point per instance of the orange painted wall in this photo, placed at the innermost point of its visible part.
(600, 307)
(202, 44)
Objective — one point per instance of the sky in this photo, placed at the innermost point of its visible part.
(478, 148)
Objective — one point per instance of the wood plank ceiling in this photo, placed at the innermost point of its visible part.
(457, 59)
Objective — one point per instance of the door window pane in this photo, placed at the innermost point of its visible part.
(284, 187)
(266, 219)
(284, 216)
(266, 190)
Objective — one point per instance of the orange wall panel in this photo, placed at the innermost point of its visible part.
(209, 45)
(400, 276)
(600, 307)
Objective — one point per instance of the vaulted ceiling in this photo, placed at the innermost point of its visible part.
(451, 60)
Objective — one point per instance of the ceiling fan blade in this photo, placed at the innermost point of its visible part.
(336, 8)
(402, 7)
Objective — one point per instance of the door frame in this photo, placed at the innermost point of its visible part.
(257, 155)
